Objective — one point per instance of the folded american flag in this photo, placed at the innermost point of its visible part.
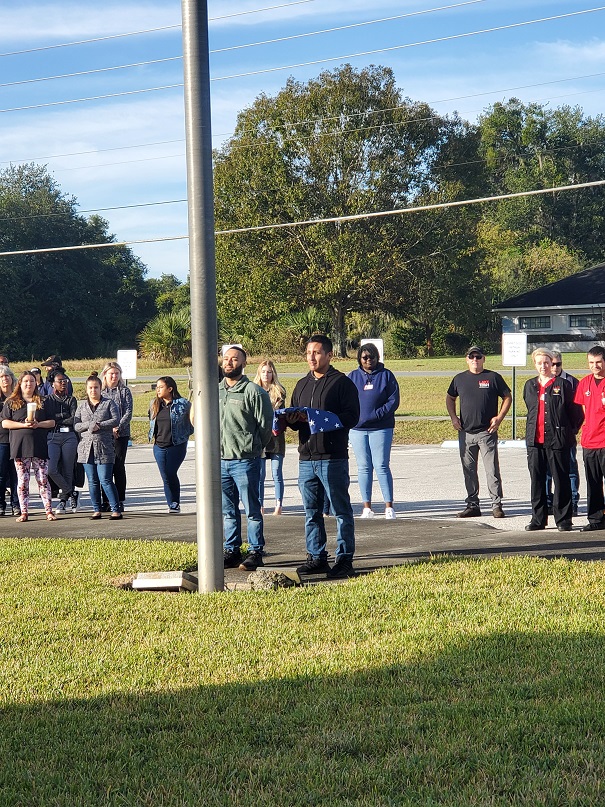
(319, 420)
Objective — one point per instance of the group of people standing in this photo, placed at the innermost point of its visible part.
(360, 407)
(44, 430)
(558, 406)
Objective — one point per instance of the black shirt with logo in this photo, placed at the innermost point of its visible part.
(479, 394)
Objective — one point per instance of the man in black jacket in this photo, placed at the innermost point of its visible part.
(324, 459)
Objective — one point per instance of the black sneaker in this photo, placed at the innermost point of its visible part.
(73, 501)
(231, 559)
(470, 511)
(253, 559)
(16, 511)
(574, 509)
(594, 525)
(342, 568)
(314, 566)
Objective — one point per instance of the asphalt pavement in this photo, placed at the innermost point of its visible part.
(429, 492)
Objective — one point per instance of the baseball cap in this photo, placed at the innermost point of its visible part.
(474, 349)
(53, 359)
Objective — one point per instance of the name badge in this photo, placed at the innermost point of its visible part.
(369, 386)
(63, 428)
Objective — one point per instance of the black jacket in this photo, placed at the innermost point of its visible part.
(335, 393)
(562, 418)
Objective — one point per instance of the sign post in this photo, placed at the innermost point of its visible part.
(127, 359)
(514, 354)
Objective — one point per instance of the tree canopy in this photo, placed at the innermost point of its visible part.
(80, 303)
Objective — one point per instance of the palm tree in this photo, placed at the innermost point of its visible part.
(167, 337)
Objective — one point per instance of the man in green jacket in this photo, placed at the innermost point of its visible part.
(246, 420)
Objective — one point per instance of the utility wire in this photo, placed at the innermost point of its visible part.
(176, 26)
(345, 27)
(311, 63)
(309, 222)
(306, 121)
(113, 68)
(410, 44)
(403, 211)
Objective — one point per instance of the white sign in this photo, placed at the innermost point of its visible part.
(379, 346)
(127, 359)
(514, 349)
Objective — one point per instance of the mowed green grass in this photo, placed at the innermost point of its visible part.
(450, 682)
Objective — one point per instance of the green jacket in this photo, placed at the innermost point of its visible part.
(246, 419)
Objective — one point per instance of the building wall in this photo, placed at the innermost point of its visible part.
(560, 335)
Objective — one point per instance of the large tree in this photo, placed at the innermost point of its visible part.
(345, 143)
(77, 303)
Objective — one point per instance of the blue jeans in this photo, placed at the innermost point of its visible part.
(8, 476)
(332, 475)
(169, 461)
(240, 480)
(373, 453)
(100, 476)
(574, 478)
(277, 462)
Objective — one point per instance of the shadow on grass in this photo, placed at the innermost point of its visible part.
(510, 719)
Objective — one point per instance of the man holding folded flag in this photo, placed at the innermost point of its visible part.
(332, 408)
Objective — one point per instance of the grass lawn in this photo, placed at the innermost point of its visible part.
(451, 682)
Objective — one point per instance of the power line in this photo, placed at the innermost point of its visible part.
(90, 72)
(90, 41)
(410, 44)
(311, 63)
(92, 210)
(346, 27)
(92, 98)
(176, 26)
(309, 222)
(306, 121)
(91, 151)
(403, 211)
(113, 68)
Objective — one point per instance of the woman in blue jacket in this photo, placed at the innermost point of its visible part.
(169, 428)
(373, 436)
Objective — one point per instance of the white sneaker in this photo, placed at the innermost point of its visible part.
(389, 513)
(367, 513)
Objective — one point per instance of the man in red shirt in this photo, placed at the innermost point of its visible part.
(590, 394)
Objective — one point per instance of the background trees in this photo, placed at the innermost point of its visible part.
(347, 142)
(81, 303)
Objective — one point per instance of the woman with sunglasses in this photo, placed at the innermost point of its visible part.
(373, 436)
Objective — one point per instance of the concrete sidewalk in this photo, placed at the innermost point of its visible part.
(429, 491)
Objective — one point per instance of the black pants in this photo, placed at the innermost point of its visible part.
(539, 460)
(594, 466)
(119, 468)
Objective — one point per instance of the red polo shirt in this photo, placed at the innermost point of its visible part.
(591, 396)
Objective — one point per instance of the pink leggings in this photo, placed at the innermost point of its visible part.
(40, 467)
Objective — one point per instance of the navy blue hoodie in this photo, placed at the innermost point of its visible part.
(378, 398)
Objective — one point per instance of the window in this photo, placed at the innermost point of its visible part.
(586, 321)
(534, 323)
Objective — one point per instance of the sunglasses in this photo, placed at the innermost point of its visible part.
(475, 356)
(557, 363)
(366, 358)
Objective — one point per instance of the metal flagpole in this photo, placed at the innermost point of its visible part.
(204, 334)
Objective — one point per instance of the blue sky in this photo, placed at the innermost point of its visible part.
(130, 149)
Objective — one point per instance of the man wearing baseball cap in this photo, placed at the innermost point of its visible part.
(479, 391)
